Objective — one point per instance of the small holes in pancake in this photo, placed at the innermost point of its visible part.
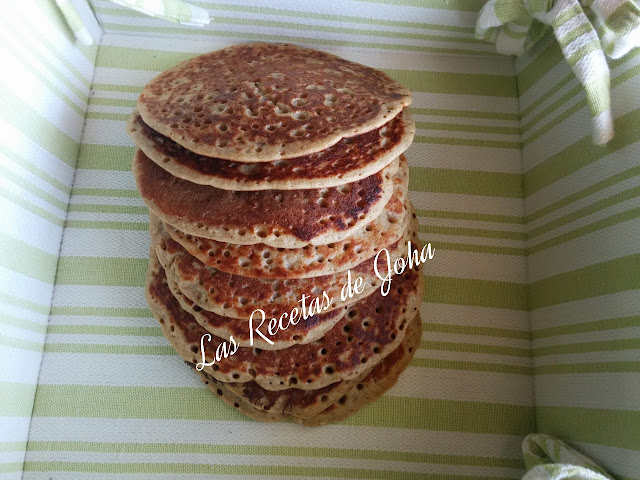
(359, 386)
(342, 400)
(329, 369)
(223, 127)
(322, 203)
(194, 348)
(243, 300)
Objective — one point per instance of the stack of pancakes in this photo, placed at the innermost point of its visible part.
(274, 174)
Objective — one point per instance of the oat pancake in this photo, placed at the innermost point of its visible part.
(262, 261)
(260, 102)
(236, 296)
(280, 218)
(371, 330)
(349, 160)
(304, 331)
(326, 405)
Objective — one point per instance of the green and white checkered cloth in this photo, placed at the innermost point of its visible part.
(585, 29)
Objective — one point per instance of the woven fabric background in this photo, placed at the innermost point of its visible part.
(114, 401)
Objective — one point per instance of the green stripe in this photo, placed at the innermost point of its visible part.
(16, 399)
(302, 14)
(129, 272)
(472, 366)
(473, 216)
(475, 330)
(614, 199)
(475, 348)
(25, 184)
(101, 311)
(546, 112)
(465, 113)
(39, 129)
(603, 367)
(168, 403)
(615, 428)
(586, 347)
(19, 160)
(112, 102)
(288, 38)
(462, 127)
(35, 209)
(257, 470)
(270, 450)
(613, 220)
(120, 117)
(455, 5)
(467, 182)
(467, 142)
(473, 292)
(13, 446)
(546, 95)
(106, 330)
(92, 348)
(27, 259)
(593, 326)
(471, 232)
(600, 279)
(539, 67)
(10, 467)
(22, 323)
(14, 342)
(135, 226)
(472, 248)
(106, 192)
(105, 157)
(24, 303)
(581, 154)
(97, 208)
(110, 87)
(585, 192)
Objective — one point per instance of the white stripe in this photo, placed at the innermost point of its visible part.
(32, 179)
(19, 366)
(20, 285)
(623, 304)
(110, 109)
(283, 434)
(601, 246)
(476, 339)
(618, 391)
(479, 224)
(481, 266)
(106, 132)
(102, 200)
(103, 320)
(108, 217)
(589, 357)
(10, 187)
(468, 316)
(117, 340)
(104, 179)
(18, 333)
(464, 386)
(105, 243)
(492, 242)
(458, 202)
(477, 121)
(597, 336)
(20, 223)
(98, 296)
(452, 134)
(461, 157)
(268, 460)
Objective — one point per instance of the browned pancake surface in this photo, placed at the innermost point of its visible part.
(281, 218)
(371, 329)
(264, 261)
(348, 160)
(259, 102)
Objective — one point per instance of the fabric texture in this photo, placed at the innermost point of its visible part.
(533, 281)
(585, 31)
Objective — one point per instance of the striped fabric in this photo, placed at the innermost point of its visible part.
(114, 401)
(44, 89)
(585, 30)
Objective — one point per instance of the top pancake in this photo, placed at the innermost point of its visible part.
(349, 160)
(258, 102)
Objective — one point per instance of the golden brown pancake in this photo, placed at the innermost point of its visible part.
(349, 160)
(280, 218)
(259, 102)
(263, 261)
(371, 330)
(330, 404)
(236, 296)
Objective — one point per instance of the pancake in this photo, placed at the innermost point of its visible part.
(279, 218)
(303, 332)
(310, 407)
(349, 160)
(259, 102)
(371, 330)
(236, 296)
(262, 261)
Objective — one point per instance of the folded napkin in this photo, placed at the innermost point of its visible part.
(548, 458)
(585, 29)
